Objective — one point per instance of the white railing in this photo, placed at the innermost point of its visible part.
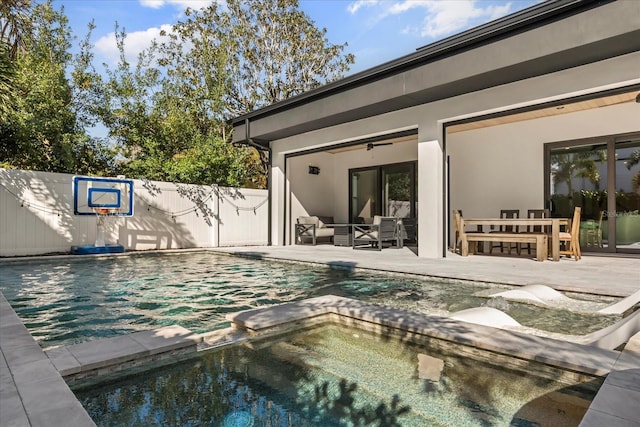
(36, 216)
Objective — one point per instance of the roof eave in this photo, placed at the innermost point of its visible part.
(508, 25)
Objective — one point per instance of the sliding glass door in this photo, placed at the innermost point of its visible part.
(627, 195)
(387, 190)
(602, 176)
(364, 195)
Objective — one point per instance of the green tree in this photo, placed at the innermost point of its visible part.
(15, 23)
(41, 123)
(567, 166)
(226, 61)
(41, 131)
(161, 131)
(634, 159)
(170, 113)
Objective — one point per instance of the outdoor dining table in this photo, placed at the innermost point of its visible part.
(553, 223)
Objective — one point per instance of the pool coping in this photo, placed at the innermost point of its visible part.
(30, 376)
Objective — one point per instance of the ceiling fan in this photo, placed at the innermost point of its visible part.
(371, 145)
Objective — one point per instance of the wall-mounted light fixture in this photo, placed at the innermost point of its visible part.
(314, 170)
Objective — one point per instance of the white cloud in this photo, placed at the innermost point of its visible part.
(356, 5)
(180, 4)
(496, 12)
(135, 43)
(153, 4)
(441, 17)
(447, 17)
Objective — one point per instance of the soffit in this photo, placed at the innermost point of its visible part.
(547, 112)
(362, 146)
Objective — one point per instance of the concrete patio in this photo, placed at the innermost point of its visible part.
(602, 275)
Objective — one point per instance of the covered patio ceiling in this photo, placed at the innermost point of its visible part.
(373, 145)
(547, 111)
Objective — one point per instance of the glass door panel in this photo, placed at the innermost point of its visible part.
(579, 178)
(397, 191)
(364, 195)
(627, 195)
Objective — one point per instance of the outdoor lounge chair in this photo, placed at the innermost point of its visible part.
(312, 228)
(383, 229)
(546, 296)
(610, 337)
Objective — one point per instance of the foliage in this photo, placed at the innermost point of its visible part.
(7, 88)
(41, 132)
(567, 166)
(250, 54)
(15, 23)
(634, 159)
(167, 115)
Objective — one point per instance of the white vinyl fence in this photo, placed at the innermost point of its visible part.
(36, 216)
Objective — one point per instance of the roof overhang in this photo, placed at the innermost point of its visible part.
(455, 66)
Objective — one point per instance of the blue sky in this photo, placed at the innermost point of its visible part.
(376, 30)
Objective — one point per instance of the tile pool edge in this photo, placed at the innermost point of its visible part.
(289, 316)
(29, 380)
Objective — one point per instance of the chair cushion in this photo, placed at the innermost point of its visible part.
(324, 232)
(307, 220)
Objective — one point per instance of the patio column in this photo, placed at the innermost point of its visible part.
(430, 197)
(277, 198)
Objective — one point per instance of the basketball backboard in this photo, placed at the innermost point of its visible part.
(102, 196)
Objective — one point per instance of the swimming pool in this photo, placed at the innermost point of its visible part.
(336, 376)
(65, 301)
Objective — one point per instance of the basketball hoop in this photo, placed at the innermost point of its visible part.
(104, 218)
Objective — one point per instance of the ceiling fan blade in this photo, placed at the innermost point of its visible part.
(371, 145)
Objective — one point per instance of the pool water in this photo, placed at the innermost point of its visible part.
(333, 376)
(72, 300)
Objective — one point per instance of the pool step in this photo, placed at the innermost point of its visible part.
(84, 361)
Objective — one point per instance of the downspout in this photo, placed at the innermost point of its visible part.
(259, 147)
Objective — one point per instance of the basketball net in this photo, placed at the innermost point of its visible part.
(104, 220)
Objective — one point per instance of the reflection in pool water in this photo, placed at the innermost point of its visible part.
(333, 376)
(79, 299)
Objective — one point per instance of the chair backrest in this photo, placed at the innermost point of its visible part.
(575, 223)
(457, 216)
(308, 220)
(387, 226)
(537, 213)
(509, 213)
(600, 220)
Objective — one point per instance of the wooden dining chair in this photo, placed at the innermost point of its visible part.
(504, 214)
(570, 240)
(457, 225)
(535, 213)
(457, 215)
(593, 231)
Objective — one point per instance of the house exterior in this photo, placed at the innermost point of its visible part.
(539, 109)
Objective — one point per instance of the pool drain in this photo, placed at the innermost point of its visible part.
(238, 419)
